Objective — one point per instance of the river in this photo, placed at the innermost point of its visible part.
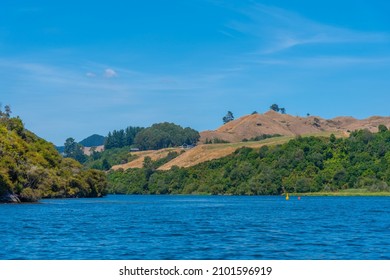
(120, 227)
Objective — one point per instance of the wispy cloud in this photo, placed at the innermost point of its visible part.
(278, 30)
(128, 83)
(322, 61)
(85, 92)
(109, 73)
(90, 75)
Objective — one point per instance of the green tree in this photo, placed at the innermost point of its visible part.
(382, 128)
(8, 111)
(149, 167)
(105, 164)
(228, 117)
(275, 107)
(121, 138)
(164, 135)
(74, 150)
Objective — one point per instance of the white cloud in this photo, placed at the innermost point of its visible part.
(109, 73)
(90, 75)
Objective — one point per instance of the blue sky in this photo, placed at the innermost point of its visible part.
(74, 68)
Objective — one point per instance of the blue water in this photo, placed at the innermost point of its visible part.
(197, 227)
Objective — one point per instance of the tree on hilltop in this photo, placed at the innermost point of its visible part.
(276, 108)
(228, 117)
(7, 111)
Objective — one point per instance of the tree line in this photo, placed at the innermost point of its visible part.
(122, 138)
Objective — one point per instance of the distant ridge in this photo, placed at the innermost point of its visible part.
(93, 141)
(271, 122)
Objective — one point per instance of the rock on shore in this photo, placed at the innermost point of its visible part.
(9, 198)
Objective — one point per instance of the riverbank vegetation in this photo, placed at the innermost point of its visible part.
(303, 165)
(31, 168)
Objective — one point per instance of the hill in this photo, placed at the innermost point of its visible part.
(31, 168)
(358, 163)
(93, 141)
(238, 134)
(204, 152)
(271, 122)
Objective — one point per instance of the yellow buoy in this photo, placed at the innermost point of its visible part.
(287, 196)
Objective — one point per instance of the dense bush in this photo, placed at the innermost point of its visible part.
(31, 167)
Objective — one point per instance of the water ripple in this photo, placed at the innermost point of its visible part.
(197, 227)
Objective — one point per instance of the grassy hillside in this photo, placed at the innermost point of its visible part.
(301, 165)
(31, 168)
(138, 158)
(203, 152)
(207, 152)
(271, 122)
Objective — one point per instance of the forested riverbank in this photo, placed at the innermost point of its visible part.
(31, 168)
(303, 165)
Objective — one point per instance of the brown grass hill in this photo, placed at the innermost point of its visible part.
(250, 126)
(271, 122)
(89, 150)
(207, 152)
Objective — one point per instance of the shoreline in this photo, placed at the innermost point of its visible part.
(351, 193)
